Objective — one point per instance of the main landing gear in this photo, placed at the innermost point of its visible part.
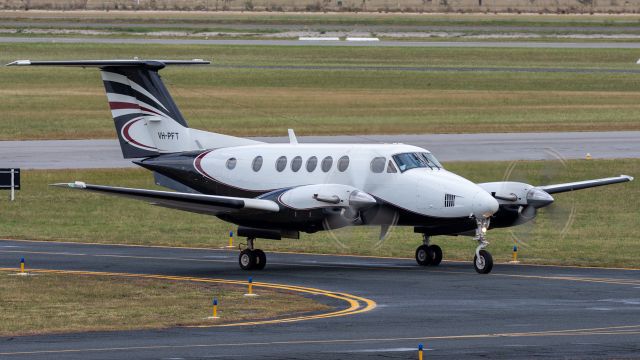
(428, 255)
(251, 258)
(482, 261)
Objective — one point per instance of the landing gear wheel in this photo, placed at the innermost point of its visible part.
(484, 263)
(247, 260)
(261, 259)
(424, 255)
(436, 251)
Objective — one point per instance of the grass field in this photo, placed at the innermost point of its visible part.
(604, 231)
(53, 303)
(256, 25)
(341, 18)
(40, 103)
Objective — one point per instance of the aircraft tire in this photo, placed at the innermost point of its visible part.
(437, 255)
(424, 255)
(484, 264)
(247, 259)
(261, 259)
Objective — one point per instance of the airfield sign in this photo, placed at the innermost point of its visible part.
(10, 180)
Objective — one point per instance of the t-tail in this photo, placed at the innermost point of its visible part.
(148, 121)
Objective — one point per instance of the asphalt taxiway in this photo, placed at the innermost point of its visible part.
(517, 311)
(66, 154)
(390, 43)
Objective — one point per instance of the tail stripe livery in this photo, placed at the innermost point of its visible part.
(147, 120)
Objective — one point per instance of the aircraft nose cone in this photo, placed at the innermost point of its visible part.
(484, 205)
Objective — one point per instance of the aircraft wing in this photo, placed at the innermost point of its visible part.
(578, 185)
(198, 203)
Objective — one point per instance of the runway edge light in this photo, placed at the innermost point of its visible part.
(230, 239)
(250, 288)
(215, 308)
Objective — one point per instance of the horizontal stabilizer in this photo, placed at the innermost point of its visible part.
(198, 203)
(150, 64)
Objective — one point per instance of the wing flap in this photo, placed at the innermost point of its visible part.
(198, 203)
(578, 185)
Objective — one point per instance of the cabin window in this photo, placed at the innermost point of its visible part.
(377, 164)
(257, 163)
(327, 163)
(343, 163)
(391, 168)
(281, 163)
(312, 162)
(296, 163)
(231, 163)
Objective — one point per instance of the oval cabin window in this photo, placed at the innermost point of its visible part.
(296, 163)
(343, 163)
(377, 164)
(281, 163)
(231, 163)
(257, 163)
(312, 162)
(327, 163)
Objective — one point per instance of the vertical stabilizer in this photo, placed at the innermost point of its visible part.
(147, 120)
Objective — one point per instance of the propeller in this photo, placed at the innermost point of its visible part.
(536, 209)
(368, 226)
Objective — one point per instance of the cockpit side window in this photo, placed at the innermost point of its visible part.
(391, 168)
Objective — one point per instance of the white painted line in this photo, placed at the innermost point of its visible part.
(402, 349)
(307, 38)
(362, 39)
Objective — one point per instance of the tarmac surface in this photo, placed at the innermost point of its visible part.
(483, 44)
(517, 311)
(62, 154)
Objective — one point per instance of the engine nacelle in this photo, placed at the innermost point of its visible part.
(319, 196)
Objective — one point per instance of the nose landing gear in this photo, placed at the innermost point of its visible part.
(251, 258)
(428, 255)
(482, 261)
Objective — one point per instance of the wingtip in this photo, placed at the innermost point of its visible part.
(73, 185)
(630, 178)
(19, 63)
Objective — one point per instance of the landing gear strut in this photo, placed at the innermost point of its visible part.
(482, 261)
(428, 255)
(251, 258)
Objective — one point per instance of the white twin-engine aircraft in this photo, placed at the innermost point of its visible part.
(274, 191)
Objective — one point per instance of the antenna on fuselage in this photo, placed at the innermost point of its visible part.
(292, 137)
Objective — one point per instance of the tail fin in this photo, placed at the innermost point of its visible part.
(142, 107)
(147, 119)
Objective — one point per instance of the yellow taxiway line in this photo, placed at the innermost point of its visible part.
(357, 304)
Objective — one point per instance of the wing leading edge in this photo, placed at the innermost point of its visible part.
(578, 185)
(198, 203)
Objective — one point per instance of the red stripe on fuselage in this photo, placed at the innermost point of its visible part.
(198, 166)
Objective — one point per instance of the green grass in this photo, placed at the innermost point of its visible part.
(54, 303)
(603, 233)
(47, 103)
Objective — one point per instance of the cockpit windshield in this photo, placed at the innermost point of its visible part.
(407, 161)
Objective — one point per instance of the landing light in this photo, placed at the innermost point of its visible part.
(484, 229)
